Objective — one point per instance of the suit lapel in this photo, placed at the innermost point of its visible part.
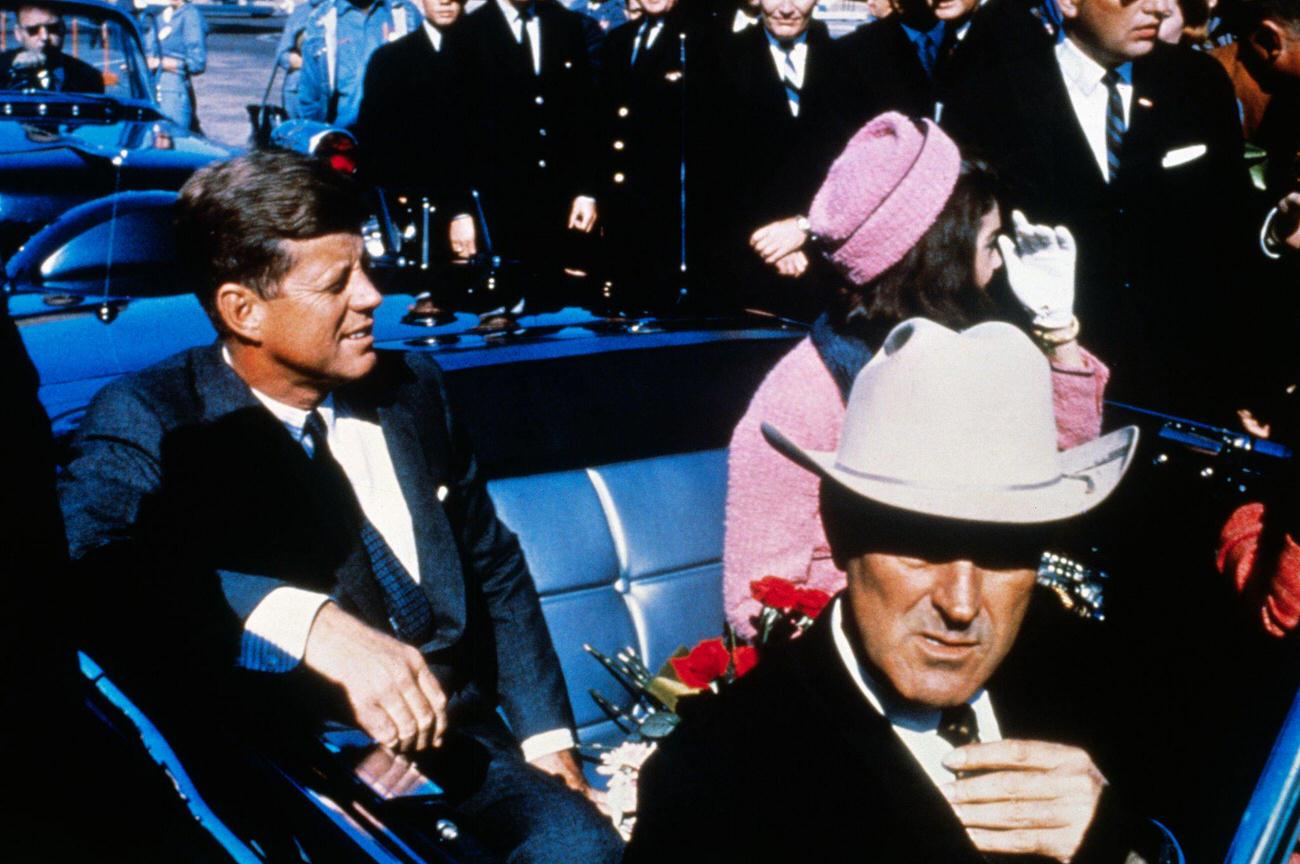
(1061, 140)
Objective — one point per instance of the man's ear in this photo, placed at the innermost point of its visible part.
(1267, 40)
(1069, 8)
(241, 310)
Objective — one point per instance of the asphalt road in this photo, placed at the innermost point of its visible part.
(239, 64)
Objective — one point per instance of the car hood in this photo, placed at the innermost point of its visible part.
(47, 166)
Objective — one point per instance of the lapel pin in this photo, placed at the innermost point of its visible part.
(441, 493)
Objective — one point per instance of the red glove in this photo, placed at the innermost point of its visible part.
(1279, 581)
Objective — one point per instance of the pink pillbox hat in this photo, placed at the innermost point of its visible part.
(883, 193)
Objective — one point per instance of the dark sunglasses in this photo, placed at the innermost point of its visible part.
(55, 28)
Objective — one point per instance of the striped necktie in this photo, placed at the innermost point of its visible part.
(409, 613)
(1115, 126)
(789, 76)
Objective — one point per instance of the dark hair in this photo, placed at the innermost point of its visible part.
(232, 217)
(1246, 15)
(856, 526)
(936, 278)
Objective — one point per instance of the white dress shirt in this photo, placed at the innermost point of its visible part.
(917, 729)
(275, 633)
(434, 34)
(516, 21)
(743, 20)
(790, 66)
(1088, 96)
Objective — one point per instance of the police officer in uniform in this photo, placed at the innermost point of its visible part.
(530, 131)
(644, 88)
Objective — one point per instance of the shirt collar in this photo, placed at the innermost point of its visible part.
(292, 417)
(796, 42)
(513, 12)
(1084, 72)
(434, 34)
(916, 719)
(915, 36)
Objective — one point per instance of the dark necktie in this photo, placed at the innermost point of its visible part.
(927, 51)
(957, 726)
(1115, 126)
(525, 15)
(408, 609)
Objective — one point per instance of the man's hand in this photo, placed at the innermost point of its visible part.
(1285, 230)
(1024, 797)
(27, 59)
(464, 239)
(582, 215)
(295, 60)
(779, 239)
(394, 697)
(792, 265)
(564, 765)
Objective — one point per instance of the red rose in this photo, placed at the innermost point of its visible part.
(746, 657)
(774, 592)
(706, 663)
(811, 601)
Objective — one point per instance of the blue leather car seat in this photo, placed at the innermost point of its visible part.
(624, 555)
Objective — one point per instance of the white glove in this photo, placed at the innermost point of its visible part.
(1040, 268)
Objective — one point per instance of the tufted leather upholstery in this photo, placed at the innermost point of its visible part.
(628, 554)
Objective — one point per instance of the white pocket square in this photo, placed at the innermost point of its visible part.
(1182, 155)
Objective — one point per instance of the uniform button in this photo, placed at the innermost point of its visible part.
(618, 145)
(541, 163)
(541, 132)
(618, 177)
(538, 99)
(622, 111)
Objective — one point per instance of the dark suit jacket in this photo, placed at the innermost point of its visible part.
(530, 138)
(187, 503)
(410, 123)
(763, 163)
(1158, 246)
(883, 73)
(78, 76)
(793, 764)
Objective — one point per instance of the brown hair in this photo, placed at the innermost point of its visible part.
(232, 217)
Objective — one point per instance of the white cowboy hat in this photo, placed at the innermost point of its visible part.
(961, 426)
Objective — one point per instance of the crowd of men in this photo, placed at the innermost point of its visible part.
(673, 158)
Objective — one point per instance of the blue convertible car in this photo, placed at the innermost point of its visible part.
(603, 440)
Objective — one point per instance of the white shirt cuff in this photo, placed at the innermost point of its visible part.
(546, 743)
(275, 633)
(1263, 236)
(586, 198)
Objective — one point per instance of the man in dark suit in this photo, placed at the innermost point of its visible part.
(292, 503)
(530, 130)
(1137, 149)
(39, 61)
(408, 124)
(922, 718)
(774, 124)
(644, 89)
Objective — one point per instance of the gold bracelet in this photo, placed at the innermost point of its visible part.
(1057, 336)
